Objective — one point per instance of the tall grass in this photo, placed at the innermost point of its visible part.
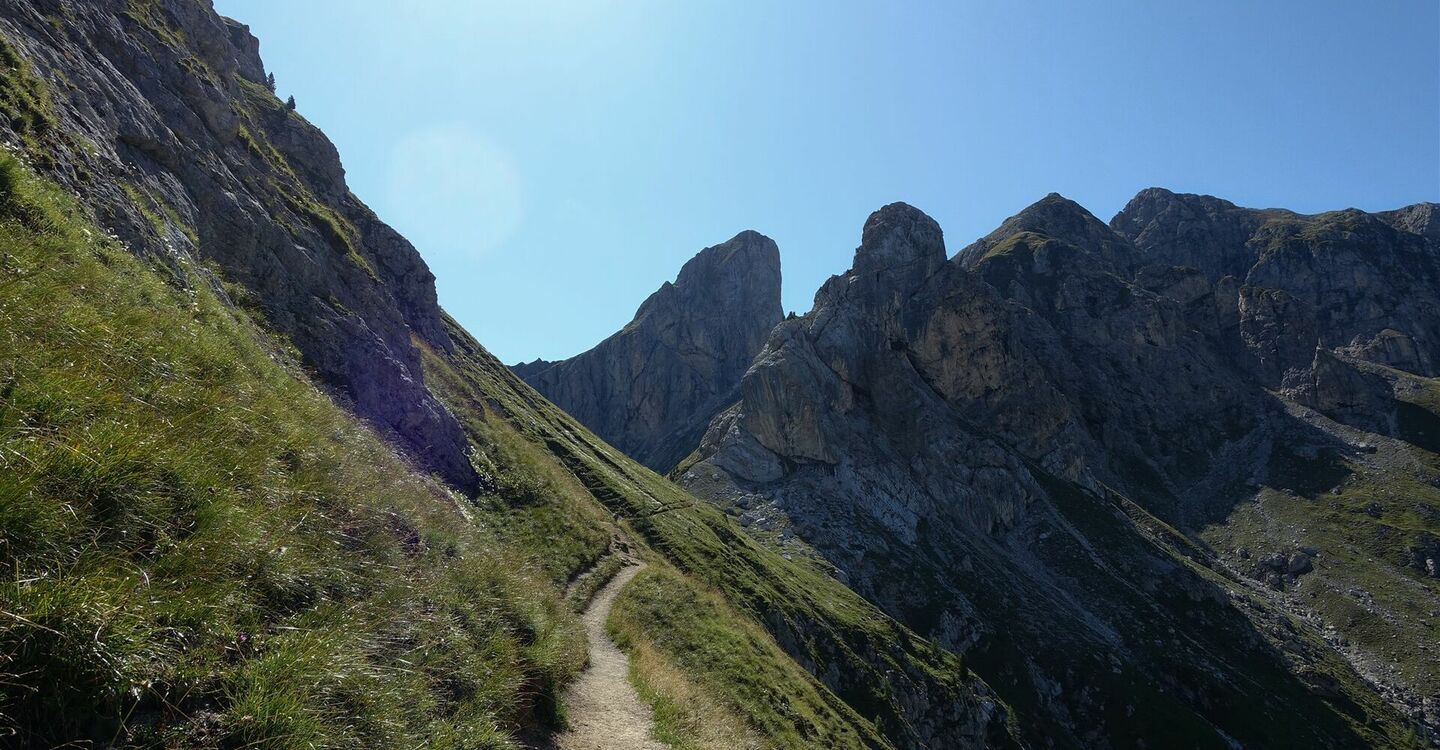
(199, 549)
(702, 665)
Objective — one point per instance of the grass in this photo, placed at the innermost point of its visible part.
(1364, 583)
(198, 549)
(26, 103)
(533, 503)
(877, 669)
(584, 588)
(1309, 695)
(206, 552)
(152, 16)
(687, 717)
(259, 107)
(678, 628)
(1014, 257)
(147, 204)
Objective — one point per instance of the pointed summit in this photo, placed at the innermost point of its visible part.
(1059, 218)
(651, 388)
(738, 277)
(900, 237)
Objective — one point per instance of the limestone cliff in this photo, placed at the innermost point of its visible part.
(159, 117)
(1027, 453)
(651, 389)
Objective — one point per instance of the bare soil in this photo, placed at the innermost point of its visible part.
(604, 711)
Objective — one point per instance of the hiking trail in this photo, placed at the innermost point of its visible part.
(604, 711)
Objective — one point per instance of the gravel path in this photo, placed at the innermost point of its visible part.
(604, 711)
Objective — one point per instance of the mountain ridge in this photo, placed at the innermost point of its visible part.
(904, 430)
(651, 387)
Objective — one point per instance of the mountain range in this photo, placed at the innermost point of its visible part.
(1170, 481)
(1112, 464)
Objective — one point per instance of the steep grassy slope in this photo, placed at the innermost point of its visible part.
(199, 549)
(913, 693)
(202, 550)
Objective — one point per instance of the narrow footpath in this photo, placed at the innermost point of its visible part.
(604, 711)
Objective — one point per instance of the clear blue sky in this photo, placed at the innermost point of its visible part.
(555, 162)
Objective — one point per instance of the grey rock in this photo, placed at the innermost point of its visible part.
(652, 389)
(997, 412)
(1367, 284)
(170, 105)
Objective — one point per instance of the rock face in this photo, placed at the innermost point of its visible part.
(651, 389)
(1364, 284)
(1015, 451)
(158, 116)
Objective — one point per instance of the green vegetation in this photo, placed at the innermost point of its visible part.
(25, 101)
(1316, 699)
(1013, 258)
(584, 589)
(151, 16)
(338, 232)
(1366, 580)
(282, 180)
(686, 716)
(148, 204)
(199, 549)
(206, 552)
(535, 504)
(1027, 242)
(734, 658)
(744, 589)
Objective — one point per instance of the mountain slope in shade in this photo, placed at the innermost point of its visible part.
(1133, 494)
(651, 388)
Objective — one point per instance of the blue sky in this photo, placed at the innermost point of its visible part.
(555, 162)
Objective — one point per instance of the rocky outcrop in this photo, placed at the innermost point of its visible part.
(651, 389)
(1365, 284)
(157, 115)
(1006, 450)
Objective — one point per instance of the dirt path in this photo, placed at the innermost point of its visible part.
(604, 711)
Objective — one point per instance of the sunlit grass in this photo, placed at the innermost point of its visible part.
(197, 548)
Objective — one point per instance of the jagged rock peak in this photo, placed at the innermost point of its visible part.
(747, 264)
(1199, 231)
(738, 278)
(651, 388)
(900, 236)
(1060, 218)
(168, 101)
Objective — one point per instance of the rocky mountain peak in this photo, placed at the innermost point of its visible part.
(1155, 201)
(900, 238)
(1056, 216)
(169, 102)
(1059, 218)
(651, 388)
(1197, 231)
(964, 444)
(740, 276)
